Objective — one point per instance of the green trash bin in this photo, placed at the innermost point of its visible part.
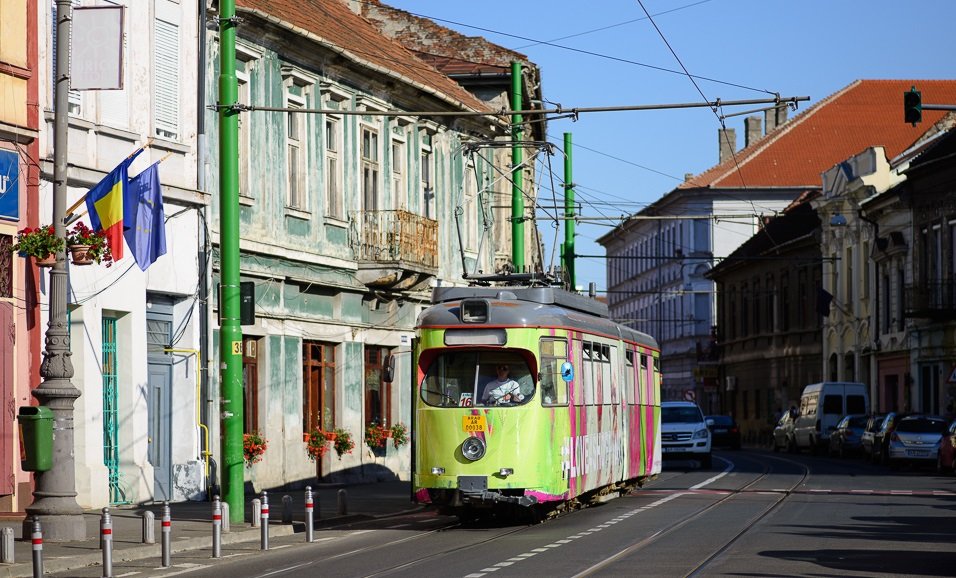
(36, 437)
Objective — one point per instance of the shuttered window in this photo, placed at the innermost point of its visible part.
(166, 79)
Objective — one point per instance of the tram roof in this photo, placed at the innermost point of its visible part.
(547, 306)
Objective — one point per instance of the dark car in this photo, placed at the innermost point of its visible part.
(847, 437)
(723, 431)
(946, 460)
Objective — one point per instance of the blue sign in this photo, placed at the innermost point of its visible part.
(9, 185)
(567, 371)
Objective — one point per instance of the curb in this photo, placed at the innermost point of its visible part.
(64, 564)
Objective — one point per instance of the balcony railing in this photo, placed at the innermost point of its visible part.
(936, 299)
(395, 237)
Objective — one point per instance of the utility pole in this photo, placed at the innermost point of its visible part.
(54, 492)
(230, 330)
(568, 256)
(517, 158)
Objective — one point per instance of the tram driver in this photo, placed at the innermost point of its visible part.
(502, 389)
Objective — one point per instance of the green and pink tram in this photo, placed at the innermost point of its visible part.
(530, 397)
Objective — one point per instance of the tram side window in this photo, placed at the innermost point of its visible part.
(578, 373)
(554, 390)
(629, 393)
(608, 392)
(587, 373)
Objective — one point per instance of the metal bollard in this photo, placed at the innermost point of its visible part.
(287, 509)
(264, 517)
(216, 528)
(7, 555)
(309, 507)
(106, 532)
(256, 512)
(167, 530)
(224, 507)
(343, 497)
(37, 538)
(149, 527)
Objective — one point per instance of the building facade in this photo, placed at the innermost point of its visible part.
(20, 279)
(136, 344)
(349, 217)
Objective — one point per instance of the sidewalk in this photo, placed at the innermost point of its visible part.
(192, 526)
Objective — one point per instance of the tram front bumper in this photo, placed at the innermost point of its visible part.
(474, 490)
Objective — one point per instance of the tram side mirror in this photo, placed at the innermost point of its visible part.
(388, 368)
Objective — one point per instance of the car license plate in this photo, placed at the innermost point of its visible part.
(917, 453)
(720, 430)
(666, 450)
(473, 423)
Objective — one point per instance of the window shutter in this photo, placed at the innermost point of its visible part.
(166, 79)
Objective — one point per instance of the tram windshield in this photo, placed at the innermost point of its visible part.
(477, 378)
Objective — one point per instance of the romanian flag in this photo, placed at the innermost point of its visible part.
(104, 203)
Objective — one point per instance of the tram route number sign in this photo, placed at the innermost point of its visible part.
(473, 423)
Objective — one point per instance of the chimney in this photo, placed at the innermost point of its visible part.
(752, 130)
(688, 176)
(775, 117)
(727, 143)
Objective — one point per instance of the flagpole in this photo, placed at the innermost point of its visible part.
(73, 207)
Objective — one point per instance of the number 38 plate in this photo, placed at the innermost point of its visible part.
(473, 423)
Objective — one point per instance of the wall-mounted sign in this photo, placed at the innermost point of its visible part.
(9, 185)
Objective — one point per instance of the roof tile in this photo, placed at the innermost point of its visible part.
(336, 25)
(866, 113)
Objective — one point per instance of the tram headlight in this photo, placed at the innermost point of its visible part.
(473, 448)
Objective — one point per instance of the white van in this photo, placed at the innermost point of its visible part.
(822, 405)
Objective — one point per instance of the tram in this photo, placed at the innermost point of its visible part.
(530, 398)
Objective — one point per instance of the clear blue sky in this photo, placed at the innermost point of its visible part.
(807, 48)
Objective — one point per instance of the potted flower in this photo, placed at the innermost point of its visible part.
(317, 444)
(375, 435)
(399, 434)
(41, 243)
(88, 246)
(343, 443)
(253, 446)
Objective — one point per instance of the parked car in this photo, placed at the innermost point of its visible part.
(872, 426)
(846, 438)
(881, 437)
(916, 438)
(783, 432)
(946, 460)
(723, 431)
(822, 405)
(684, 432)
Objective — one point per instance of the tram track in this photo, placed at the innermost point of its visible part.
(750, 487)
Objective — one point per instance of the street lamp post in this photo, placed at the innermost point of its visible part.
(54, 493)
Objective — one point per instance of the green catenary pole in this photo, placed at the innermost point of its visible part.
(568, 255)
(517, 200)
(230, 331)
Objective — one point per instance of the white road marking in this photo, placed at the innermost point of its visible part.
(127, 574)
(284, 569)
(398, 526)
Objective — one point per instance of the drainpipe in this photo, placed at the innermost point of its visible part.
(204, 452)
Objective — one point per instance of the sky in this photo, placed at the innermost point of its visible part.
(608, 53)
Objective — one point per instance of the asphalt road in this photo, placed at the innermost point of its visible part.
(755, 513)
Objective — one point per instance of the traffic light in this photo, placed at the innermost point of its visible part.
(912, 106)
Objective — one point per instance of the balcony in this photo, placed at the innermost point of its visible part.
(935, 300)
(395, 250)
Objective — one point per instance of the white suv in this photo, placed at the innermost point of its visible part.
(684, 432)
